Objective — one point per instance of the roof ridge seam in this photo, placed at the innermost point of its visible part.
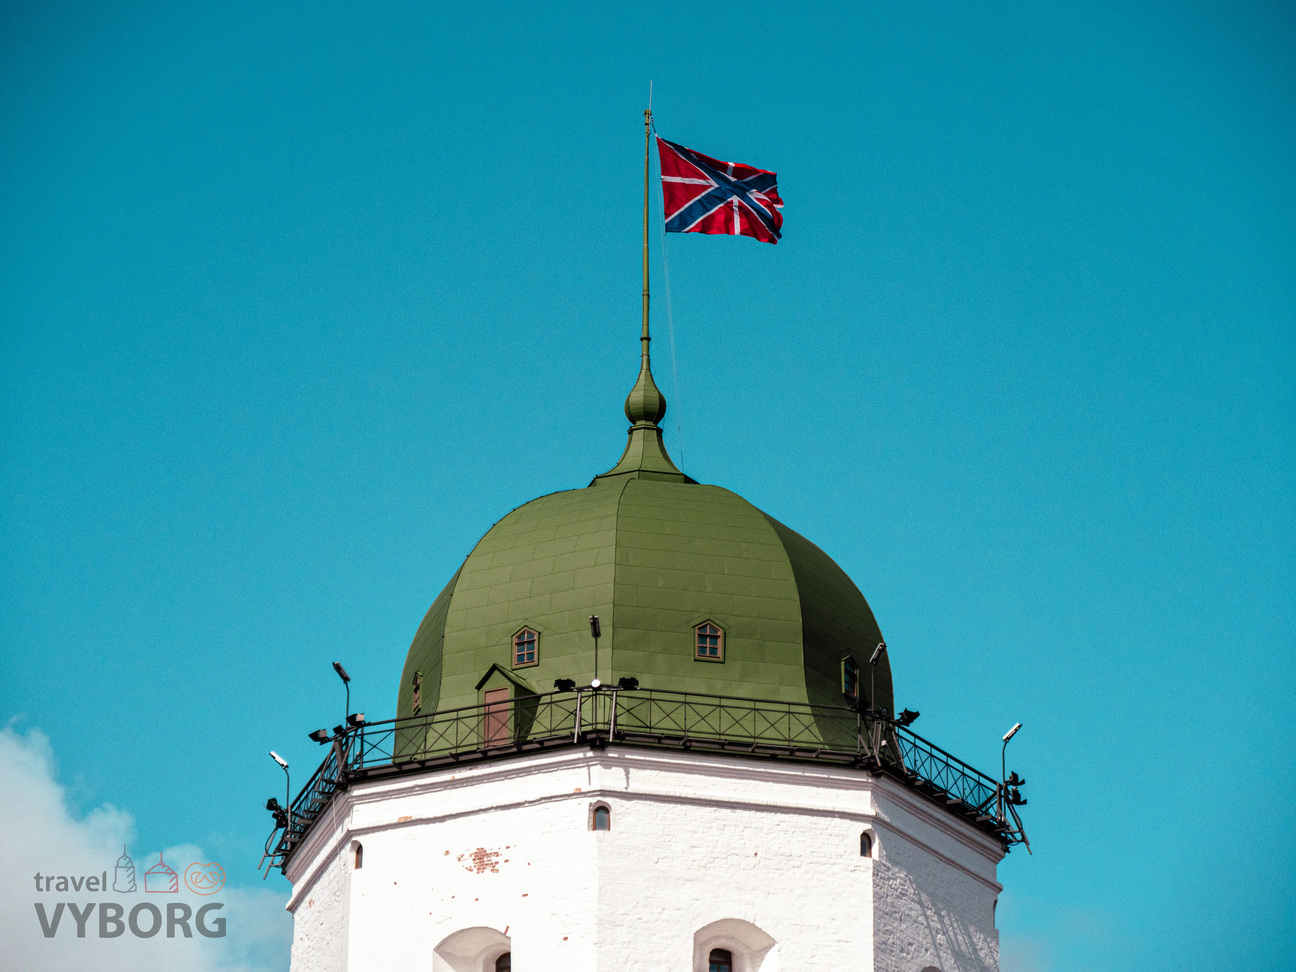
(616, 523)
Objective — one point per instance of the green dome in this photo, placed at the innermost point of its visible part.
(653, 554)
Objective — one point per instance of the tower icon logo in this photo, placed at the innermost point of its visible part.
(124, 874)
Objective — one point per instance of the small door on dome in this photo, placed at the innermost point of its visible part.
(497, 719)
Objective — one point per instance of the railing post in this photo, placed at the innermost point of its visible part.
(576, 733)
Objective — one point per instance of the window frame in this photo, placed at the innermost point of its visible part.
(850, 669)
(719, 635)
(593, 817)
(518, 636)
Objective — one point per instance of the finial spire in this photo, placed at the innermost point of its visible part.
(645, 453)
(645, 403)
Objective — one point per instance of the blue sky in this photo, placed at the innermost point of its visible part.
(298, 299)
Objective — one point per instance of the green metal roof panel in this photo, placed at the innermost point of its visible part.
(525, 571)
(425, 656)
(837, 622)
(652, 557)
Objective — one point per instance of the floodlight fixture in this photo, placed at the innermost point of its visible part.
(878, 652)
(287, 807)
(320, 736)
(339, 730)
(279, 813)
(908, 717)
(1003, 758)
(356, 719)
(595, 683)
(628, 682)
(596, 632)
(346, 680)
(565, 684)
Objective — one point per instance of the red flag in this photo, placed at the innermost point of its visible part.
(705, 195)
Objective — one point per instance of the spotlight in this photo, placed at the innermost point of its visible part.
(628, 682)
(877, 653)
(283, 817)
(596, 632)
(272, 805)
(1003, 758)
(346, 683)
(565, 684)
(356, 719)
(339, 730)
(595, 683)
(321, 736)
(908, 717)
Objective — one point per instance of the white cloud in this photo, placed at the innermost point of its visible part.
(42, 835)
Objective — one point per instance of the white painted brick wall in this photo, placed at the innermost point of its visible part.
(743, 847)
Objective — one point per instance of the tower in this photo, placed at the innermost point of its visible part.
(715, 782)
(645, 726)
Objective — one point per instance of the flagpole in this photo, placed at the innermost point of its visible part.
(643, 337)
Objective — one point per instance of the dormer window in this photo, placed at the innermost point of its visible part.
(850, 678)
(708, 642)
(525, 644)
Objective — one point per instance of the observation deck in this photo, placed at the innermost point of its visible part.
(867, 740)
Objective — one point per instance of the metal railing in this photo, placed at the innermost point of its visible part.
(867, 740)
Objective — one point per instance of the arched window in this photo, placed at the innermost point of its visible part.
(731, 944)
(866, 844)
(601, 818)
(359, 856)
(708, 642)
(525, 644)
(478, 948)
